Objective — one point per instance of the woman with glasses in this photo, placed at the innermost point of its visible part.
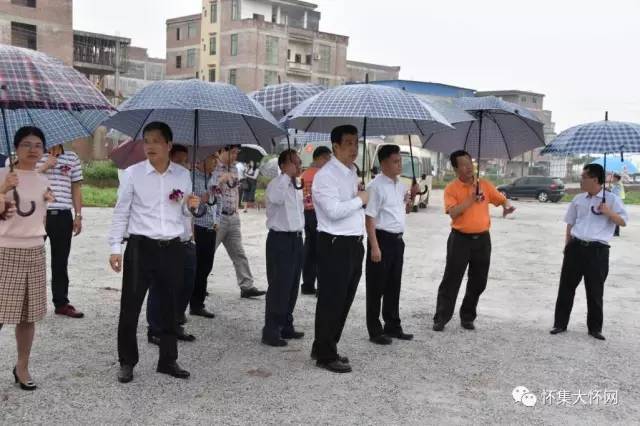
(23, 297)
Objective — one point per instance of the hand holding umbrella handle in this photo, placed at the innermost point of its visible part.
(295, 183)
(16, 197)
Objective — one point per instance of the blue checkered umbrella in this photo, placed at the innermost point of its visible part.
(600, 137)
(371, 108)
(500, 130)
(39, 90)
(279, 99)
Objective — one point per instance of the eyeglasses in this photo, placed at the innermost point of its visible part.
(35, 146)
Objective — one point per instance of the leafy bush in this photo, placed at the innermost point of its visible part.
(103, 174)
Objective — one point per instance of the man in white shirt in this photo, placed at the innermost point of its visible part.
(151, 209)
(285, 221)
(389, 202)
(591, 221)
(338, 200)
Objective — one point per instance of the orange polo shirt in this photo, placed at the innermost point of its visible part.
(307, 182)
(476, 218)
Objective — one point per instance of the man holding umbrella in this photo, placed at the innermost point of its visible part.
(591, 223)
(466, 201)
(152, 204)
(338, 203)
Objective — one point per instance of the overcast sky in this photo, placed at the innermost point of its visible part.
(582, 54)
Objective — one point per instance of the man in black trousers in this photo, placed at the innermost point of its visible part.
(389, 202)
(152, 204)
(591, 221)
(466, 201)
(338, 199)
(285, 221)
(321, 155)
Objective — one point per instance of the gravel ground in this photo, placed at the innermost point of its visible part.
(455, 377)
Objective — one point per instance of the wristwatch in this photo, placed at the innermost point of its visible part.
(79, 216)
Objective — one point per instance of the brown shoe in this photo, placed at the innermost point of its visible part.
(69, 311)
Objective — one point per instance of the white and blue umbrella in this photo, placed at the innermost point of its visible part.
(372, 109)
(279, 99)
(617, 165)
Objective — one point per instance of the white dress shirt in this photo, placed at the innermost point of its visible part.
(144, 207)
(587, 226)
(387, 203)
(285, 208)
(336, 202)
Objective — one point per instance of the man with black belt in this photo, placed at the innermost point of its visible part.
(285, 221)
(321, 155)
(389, 202)
(591, 221)
(466, 201)
(226, 183)
(64, 171)
(205, 231)
(179, 155)
(152, 204)
(338, 200)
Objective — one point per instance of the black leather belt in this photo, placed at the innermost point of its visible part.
(56, 212)
(160, 243)
(594, 244)
(397, 235)
(229, 213)
(287, 233)
(471, 236)
(357, 238)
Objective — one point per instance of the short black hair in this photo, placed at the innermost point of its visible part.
(595, 171)
(338, 132)
(387, 151)
(175, 148)
(320, 151)
(285, 156)
(163, 128)
(617, 176)
(455, 155)
(25, 131)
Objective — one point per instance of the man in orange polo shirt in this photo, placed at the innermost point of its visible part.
(469, 243)
(321, 155)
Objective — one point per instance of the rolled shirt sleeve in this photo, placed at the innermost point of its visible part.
(572, 214)
(76, 169)
(375, 201)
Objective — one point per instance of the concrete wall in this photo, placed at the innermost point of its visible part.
(180, 47)
(53, 21)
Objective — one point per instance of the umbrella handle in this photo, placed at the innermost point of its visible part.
(215, 201)
(23, 213)
(199, 212)
(232, 185)
(295, 183)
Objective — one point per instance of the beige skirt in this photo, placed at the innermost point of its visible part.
(23, 285)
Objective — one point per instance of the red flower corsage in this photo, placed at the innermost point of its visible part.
(65, 169)
(176, 195)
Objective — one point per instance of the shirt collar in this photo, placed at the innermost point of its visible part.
(150, 169)
(388, 179)
(598, 195)
(344, 169)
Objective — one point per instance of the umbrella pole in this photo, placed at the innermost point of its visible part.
(604, 187)
(413, 169)
(479, 145)
(16, 196)
(196, 139)
(364, 148)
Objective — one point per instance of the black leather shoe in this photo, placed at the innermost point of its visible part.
(399, 335)
(274, 342)
(596, 335)
(557, 330)
(252, 292)
(154, 340)
(185, 337)
(336, 366)
(293, 335)
(343, 359)
(308, 290)
(182, 319)
(173, 370)
(468, 325)
(125, 375)
(381, 339)
(28, 386)
(202, 312)
(438, 326)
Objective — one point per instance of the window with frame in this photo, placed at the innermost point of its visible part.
(212, 75)
(178, 61)
(214, 12)
(234, 44)
(324, 63)
(24, 35)
(270, 77)
(308, 59)
(235, 10)
(324, 82)
(272, 50)
(191, 31)
(191, 58)
(212, 44)
(233, 76)
(298, 58)
(26, 3)
(178, 34)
